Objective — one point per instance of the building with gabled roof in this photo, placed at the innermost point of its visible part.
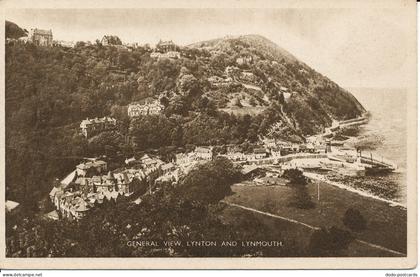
(110, 40)
(90, 168)
(166, 46)
(11, 205)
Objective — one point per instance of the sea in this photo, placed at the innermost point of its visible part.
(387, 129)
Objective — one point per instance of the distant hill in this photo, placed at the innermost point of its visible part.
(14, 31)
(314, 99)
(258, 41)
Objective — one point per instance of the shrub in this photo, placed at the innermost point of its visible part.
(354, 220)
(329, 242)
(301, 199)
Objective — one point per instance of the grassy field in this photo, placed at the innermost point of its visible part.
(294, 237)
(386, 225)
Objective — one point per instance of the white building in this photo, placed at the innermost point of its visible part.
(169, 55)
(151, 108)
(204, 153)
(90, 127)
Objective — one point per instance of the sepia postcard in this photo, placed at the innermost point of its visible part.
(209, 135)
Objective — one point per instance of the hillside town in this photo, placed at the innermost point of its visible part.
(91, 183)
(177, 132)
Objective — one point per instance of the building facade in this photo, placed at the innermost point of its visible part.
(165, 46)
(151, 108)
(91, 127)
(204, 153)
(41, 37)
(110, 40)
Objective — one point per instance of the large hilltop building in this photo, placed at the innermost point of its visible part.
(41, 37)
(110, 40)
(166, 46)
(166, 49)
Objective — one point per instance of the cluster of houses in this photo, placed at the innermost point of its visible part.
(94, 126)
(148, 108)
(273, 149)
(199, 153)
(90, 183)
(41, 37)
(237, 156)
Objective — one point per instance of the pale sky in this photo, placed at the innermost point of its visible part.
(353, 47)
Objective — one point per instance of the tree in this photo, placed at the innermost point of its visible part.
(14, 31)
(188, 85)
(354, 220)
(178, 105)
(300, 197)
(152, 131)
(295, 176)
(164, 101)
(210, 183)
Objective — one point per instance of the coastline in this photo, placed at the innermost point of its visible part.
(320, 178)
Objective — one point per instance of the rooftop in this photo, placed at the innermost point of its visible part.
(41, 31)
(11, 205)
